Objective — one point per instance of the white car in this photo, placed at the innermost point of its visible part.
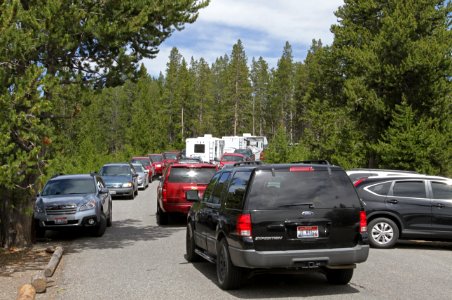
(356, 174)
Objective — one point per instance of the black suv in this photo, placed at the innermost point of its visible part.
(280, 217)
(407, 207)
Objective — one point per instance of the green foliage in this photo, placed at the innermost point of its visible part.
(278, 150)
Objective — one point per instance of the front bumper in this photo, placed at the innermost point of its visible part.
(79, 219)
(121, 191)
(294, 258)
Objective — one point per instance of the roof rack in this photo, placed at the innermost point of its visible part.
(318, 162)
(247, 163)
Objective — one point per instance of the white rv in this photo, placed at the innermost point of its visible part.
(256, 143)
(206, 147)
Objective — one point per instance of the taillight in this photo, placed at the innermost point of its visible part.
(362, 222)
(164, 192)
(301, 169)
(357, 182)
(243, 225)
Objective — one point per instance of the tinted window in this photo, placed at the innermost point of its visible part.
(237, 189)
(138, 168)
(123, 170)
(282, 189)
(170, 155)
(143, 161)
(232, 158)
(193, 175)
(381, 188)
(441, 190)
(156, 158)
(209, 188)
(415, 189)
(69, 186)
(218, 190)
(200, 148)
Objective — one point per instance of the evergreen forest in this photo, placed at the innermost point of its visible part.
(74, 99)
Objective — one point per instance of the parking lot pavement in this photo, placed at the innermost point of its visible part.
(136, 259)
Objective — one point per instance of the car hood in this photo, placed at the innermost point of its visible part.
(55, 200)
(116, 179)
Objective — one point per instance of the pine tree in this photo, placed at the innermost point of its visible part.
(260, 78)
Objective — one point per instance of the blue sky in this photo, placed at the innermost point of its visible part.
(263, 26)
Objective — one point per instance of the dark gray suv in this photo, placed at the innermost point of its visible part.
(279, 217)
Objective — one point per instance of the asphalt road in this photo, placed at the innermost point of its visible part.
(136, 259)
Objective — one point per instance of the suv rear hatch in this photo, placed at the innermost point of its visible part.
(182, 179)
(303, 207)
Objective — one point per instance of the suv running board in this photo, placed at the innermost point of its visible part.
(205, 256)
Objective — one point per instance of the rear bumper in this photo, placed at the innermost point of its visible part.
(177, 207)
(292, 258)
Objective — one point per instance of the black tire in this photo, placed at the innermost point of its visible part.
(190, 245)
(132, 196)
(162, 217)
(383, 233)
(40, 232)
(229, 276)
(100, 228)
(136, 192)
(110, 216)
(339, 276)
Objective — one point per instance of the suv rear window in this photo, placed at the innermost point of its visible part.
(281, 189)
(190, 175)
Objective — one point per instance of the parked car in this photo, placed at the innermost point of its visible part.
(143, 175)
(356, 174)
(231, 158)
(157, 163)
(278, 217)
(407, 207)
(169, 158)
(146, 162)
(73, 201)
(247, 153)
(178, 180)
(120, 178)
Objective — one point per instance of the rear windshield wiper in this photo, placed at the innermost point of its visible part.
(311, 205)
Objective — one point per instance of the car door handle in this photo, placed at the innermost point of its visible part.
(393, 201)
(439, 205)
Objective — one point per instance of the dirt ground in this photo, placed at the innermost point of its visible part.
(17, 266)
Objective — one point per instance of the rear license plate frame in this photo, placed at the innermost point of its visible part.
(307, 232)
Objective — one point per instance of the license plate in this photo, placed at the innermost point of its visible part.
(304, 232)
(60, 221)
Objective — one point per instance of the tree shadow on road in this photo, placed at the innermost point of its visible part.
(268, 285)
(122, 234)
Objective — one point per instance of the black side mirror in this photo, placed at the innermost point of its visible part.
(134, 175)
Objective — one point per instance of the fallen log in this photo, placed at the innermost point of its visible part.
(26, 292)
(39, 282)
(53, 263)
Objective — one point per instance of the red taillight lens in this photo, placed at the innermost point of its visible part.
(362, 221)
(244, 225)
(301, 169)
(164, 192)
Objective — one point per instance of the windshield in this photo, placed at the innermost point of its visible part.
(282, 189)
(156, 158)
(69, 186)
(242, 151)
(232, 158)
(115, 171)
(139, 168)
(145, 162)
(170, 155)
(191, 175)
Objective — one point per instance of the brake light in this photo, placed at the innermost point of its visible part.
(164, 192)
(301, 169)
(362, 222)
(357, 182)
(243, 225)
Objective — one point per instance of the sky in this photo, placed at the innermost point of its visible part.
(263, 26)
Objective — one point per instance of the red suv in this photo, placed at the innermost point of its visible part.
(157, 162)
(179, 181)
(231, 158)
(146, 162)
(169, 158)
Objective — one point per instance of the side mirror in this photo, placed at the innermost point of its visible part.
(146, 171)
(192, 196)
(134, 175)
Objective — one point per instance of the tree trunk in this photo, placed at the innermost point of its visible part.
(16, 211)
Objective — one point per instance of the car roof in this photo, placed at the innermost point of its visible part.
(256, 165)
(117, 164)
(140, 157)
(364, 170)
(155, 154)
(193, 165)
(372, 179)
(233, 154)
(72, 176)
